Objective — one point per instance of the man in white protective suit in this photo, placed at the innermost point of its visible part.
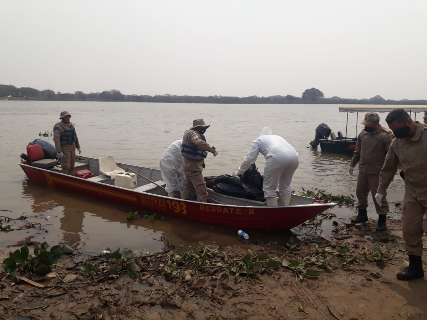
(172, 169)
(281, 161)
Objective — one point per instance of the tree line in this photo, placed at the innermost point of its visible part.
(312, 95)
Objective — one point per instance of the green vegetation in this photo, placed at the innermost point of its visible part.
(324, 196)
(21, 261)
(133, 215)
(311, 95)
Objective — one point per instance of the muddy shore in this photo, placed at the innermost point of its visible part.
(350, 276)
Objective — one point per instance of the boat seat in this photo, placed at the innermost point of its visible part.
(45, 163)
(150, 186)
(97, 178)
(80, 165)
(108, 167)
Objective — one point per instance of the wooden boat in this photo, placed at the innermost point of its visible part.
(346, 145)
(220, 210)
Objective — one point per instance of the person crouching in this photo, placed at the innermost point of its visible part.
(172, 169)
(281, 161)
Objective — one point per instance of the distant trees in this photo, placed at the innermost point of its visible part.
(377, 99)
(6, 90)
(111, 95)
(312, 95)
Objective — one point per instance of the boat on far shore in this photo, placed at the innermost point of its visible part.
(346, 145)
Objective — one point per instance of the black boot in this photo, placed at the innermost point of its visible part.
(362, 216)
(413, 271)
(382, 222)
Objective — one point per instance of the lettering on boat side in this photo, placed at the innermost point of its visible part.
(177, 207)
(227, 210)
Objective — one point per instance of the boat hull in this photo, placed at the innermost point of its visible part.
(339, 146)
(246, 217)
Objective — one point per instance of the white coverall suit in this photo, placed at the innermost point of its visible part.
(172, 169)
(281, 161)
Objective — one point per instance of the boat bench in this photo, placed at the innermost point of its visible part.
(98, 178)
(80, 165)
(150, 186)
(45, 163)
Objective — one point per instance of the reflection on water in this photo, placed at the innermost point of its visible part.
(92, 224)
(88, 224)
(138, 133)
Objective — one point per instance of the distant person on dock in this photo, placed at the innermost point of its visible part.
(172, 169)
(194, 150)
(409, 153)
(66, 142)
(371, 149)
(281, 161)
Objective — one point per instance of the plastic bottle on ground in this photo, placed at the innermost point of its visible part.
(242, 235)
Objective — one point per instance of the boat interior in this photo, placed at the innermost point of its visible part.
(145, 180)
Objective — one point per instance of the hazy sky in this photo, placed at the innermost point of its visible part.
(348, 48)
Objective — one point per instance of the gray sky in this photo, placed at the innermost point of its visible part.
(348, 48)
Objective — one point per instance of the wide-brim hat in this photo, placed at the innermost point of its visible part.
(200, 123)
(64, 114)
(371, 118)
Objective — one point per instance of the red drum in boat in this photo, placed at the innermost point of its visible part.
(84, 173)
(35, 152)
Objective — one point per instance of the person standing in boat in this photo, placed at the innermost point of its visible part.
(408, 151)
(281, 161)
(371, 149)
(194, 150)
(66, 142)
(172, 169)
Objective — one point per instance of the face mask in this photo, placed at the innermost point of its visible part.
(369, 129)
(401, 132)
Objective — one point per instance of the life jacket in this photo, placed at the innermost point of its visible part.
(191, 152)
(68, 136)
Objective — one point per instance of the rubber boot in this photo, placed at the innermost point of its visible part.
(284, 199)
(413, 271)
(362, 216)
(382, 223)
(271, 202)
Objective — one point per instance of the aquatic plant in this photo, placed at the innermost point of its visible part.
(324, 196)
(133, 215)
(40, 263)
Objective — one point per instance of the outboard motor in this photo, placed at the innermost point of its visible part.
(48, 149)
(322, 132)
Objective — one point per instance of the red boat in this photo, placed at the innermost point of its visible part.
(149, 194)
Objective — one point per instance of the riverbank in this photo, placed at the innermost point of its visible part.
(351, 276)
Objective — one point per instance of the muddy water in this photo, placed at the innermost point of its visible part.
(138, 133)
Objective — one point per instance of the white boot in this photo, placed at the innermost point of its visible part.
(285, 196)
(285, 199)
(271, 202)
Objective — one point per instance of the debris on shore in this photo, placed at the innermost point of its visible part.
(63, 283)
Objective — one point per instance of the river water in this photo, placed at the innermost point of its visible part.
(137, 133)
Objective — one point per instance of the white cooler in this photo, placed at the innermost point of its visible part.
(126, 180)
